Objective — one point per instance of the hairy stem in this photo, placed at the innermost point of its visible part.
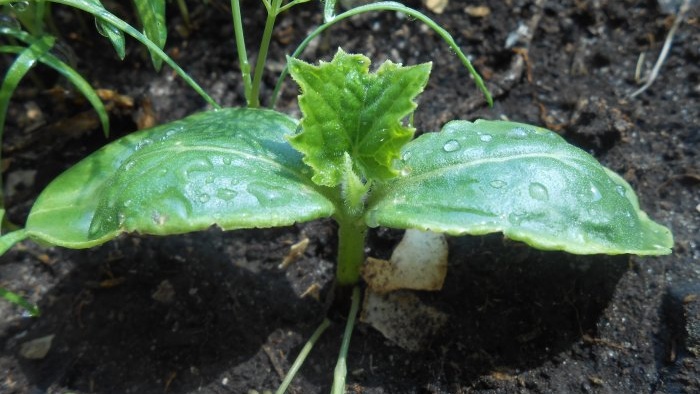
(351, 250)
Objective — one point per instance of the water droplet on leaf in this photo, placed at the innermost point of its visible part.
(406, 171)
(227, 160)
(620, 190)
(19, 6)
(451, 146)
(485, 137)
(9, 22)
(518, 133)
(203, 197)
(517, 217)
(101, 28)
(538, 191)
(498, 184)
(406, 155)
(226, 194)
(595, 194)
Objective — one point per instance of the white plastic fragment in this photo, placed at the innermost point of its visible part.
(419, 262)
(36, 349)
(402, 318)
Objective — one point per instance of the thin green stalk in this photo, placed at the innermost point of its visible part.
(107, 16)
(185, 12)
(341, 367)
(254, 100)
(18, 300)
(241, 50)
(302, 356)
(351, 250)
(388, 6)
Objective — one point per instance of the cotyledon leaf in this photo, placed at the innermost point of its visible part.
(232, 168)
(527, 182)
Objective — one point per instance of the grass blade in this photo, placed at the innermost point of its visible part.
(104, 15)
(76, 79)
(114, 35)
(388, 6)
(152, 16)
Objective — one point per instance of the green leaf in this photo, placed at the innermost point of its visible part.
(152, 16)
(348, 110)
(527, 182)
(10, 239)
(232, 168)
(76, 79)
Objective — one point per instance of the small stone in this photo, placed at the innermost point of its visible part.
(477, 11)
(36, 349)
(165, 293)
(436, 6)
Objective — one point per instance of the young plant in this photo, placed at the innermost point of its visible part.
(351, 157)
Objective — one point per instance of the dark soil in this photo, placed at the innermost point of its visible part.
(212, 313)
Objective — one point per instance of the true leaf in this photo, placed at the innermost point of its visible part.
(232, 168)
(349, 110)
(527, 182)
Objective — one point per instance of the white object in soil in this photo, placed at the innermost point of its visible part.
(402, 318)
(419, 262)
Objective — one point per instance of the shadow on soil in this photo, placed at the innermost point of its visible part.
(149, 315)
(140, 313)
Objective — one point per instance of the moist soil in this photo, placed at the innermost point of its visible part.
(212, 312)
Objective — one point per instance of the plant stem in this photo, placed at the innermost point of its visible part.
(254, 100)
(351, 250)
(341, 368)
(240, 49)
(302, 356)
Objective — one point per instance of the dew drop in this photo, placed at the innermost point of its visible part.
(498, 184)
(158, 219)
(9, 22)
(121, 218)
(19, 6)
(621, 190)
(101, 28)
(209, 180)
(538, 191)
(406, 171)
(485, 137)
(518, 133)
(226, 194)
(595, 194)
(264, 194)
(227, 160)
(451, 146)
(203, 197)
(406, 155)
(143, 143)
(128, 203)
(517, 217)
(129, 165)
